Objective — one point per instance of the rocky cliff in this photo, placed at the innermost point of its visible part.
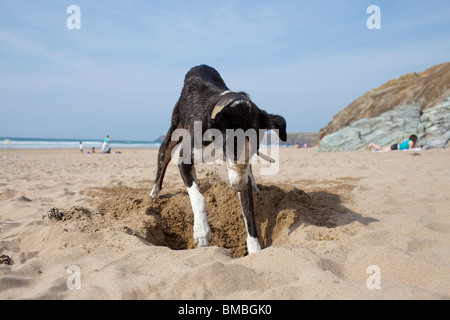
(425, 89)
(432, 127)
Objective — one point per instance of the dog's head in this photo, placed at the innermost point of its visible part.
(242, 125)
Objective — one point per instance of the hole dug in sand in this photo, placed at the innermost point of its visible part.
(168, 220)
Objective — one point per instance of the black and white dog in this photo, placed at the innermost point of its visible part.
(207, 100)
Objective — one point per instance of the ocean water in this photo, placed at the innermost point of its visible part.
(88, 144)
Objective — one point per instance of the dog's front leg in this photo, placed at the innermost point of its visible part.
(202, 231)
(248, 211)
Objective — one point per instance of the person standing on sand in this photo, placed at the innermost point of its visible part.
(408, 144)
(81, 146)
(105, 147)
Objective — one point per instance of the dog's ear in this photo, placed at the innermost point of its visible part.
(211, 124)
(273, 121)
(220, 122)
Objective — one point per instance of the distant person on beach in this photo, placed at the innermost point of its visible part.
(408, 144)
(81, 146)
(105, 147)
(93, 149)
(297, 145)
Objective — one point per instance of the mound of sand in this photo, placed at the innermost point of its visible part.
(168, 220)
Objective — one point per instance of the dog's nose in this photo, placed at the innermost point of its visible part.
(238, 176)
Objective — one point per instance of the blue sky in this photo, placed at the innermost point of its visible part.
(122, 72)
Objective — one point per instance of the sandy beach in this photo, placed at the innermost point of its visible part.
(356, 225)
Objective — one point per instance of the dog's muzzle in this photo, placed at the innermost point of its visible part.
(238, 176)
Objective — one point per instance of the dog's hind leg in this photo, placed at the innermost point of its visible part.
(165, 153)
(202, 231)
(248, 211)
(164, 157)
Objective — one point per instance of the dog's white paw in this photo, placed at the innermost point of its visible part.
(154, 192)
(253, 245)
(202, 237)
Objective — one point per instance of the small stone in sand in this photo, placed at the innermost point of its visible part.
(4, 259)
